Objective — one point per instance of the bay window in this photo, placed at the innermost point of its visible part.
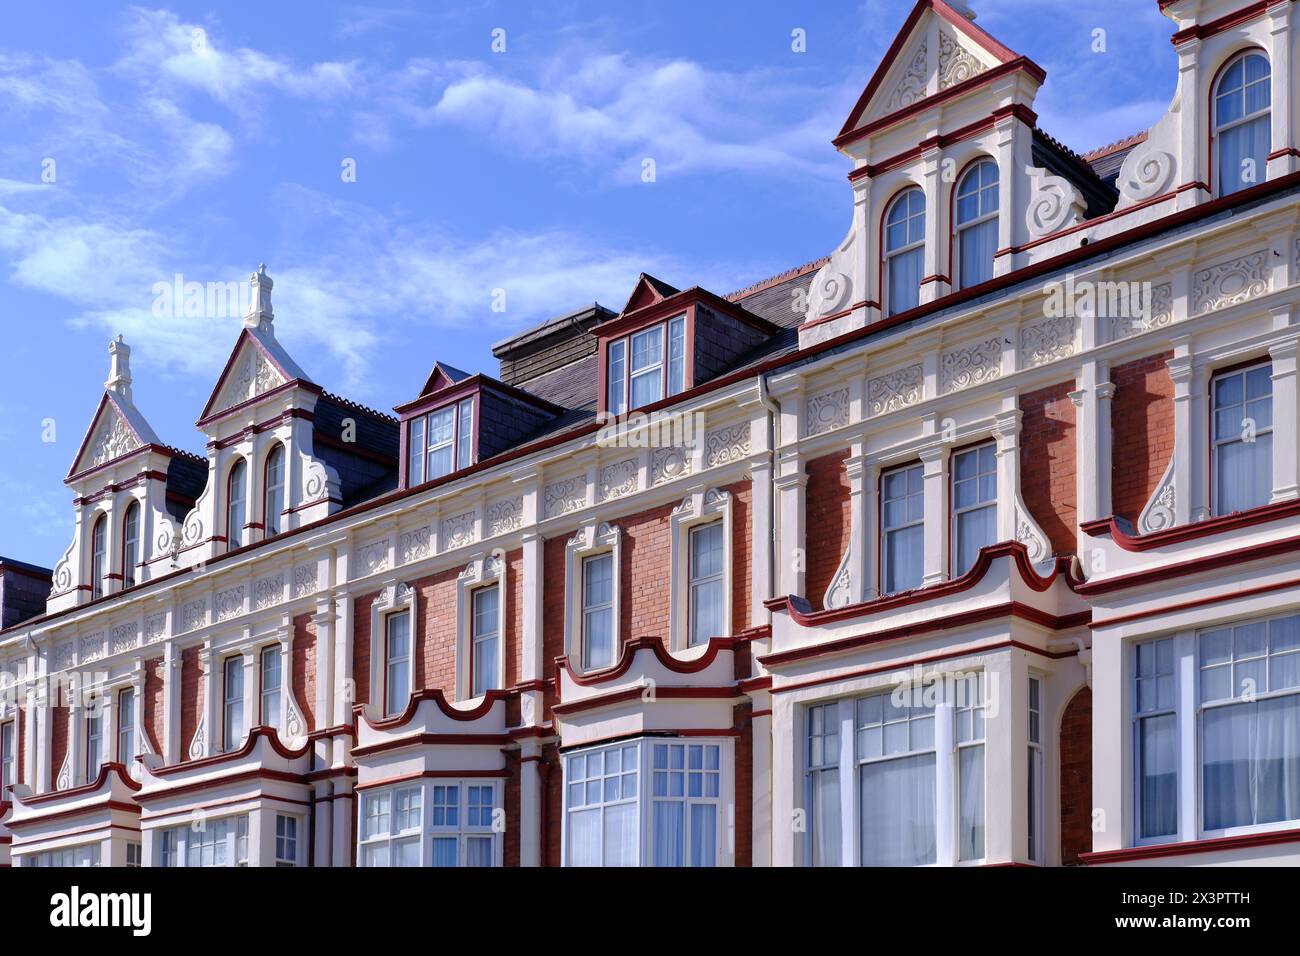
(205, 843)
(974, 504)
(647, 803)
(896, 782)
(397, 662)
(440, 442)
(232, 703)
(1155, 739)
(485, 641)
(74, 856)
(969, 711)
(904, 252)
(646, 366)
(902, 530)
(269, 703)
(822, 790)
(977, 224)
(1242, 436)
(598, 624)
(447, 823)
(1243, 123)
(707, 584)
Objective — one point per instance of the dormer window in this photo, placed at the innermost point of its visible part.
(273, 499)
(977, 224)
(130, 544)
(236, 511)
(904, 252)
(639, 374)
(1242, 123)
(441, 442)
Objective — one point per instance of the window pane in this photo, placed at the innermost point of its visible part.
(617, 373)
(444, 851)
(1158, 776)
(1251, 763)
(898, 812)
(905, 280)
(676, 355)
(970, 784)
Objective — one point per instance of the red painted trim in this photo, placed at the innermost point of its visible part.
(1258, 552)
(674, 304)
(434, 775)
(436, 695)
(1201, 31)
(105, 769)
(208, 416)
(903, 665)
(1245, 842)
(636, 693)
(628, 652)
(944, 140)
(259, 773)
(431, 740)
(272, 738)
(1237, 521)
(1007, 609)
(1014, 550)
(1199, 602)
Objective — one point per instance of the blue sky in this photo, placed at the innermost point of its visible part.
(205, 153)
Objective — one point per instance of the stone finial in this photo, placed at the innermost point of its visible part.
(962, 7)
(119, 371)
(260, 315)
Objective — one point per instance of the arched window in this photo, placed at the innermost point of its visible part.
(273, 497)
(236, 510)
(977, 224)
(904, 252)
(130, 544)
(98, 556)
(1242, 124)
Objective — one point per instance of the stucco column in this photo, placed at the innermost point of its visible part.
(786, 790)
(1093, 444)
(856, 469)
(1191, 491)
(760, 728)
(791, 555)
(341, 853)
(1286, 412)
(936, 281)
(1111, 744)
(935, 460)
(1283, 159)
(1189, 127)
(322, 836)
(530, 804)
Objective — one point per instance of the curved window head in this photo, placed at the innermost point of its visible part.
(273, 496)
(130, 544)
(98, 556)
(236, 504)
(1242, 123)
(976, 216)
(904, 251)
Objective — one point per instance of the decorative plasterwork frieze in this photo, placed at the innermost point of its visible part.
(1160, 512)
(564, 496)
(894, 390)
(64, 779)
(839, 593)
(669, 463)
(123, 637)
(1030, 534)
(956, 64)
(91, 649)
(912, 85)
(1231, 283)
(197, 746)
(155, 627)
(194, 615)
(1160, 314)
(253, 376)
(726, 445)
(228, 603)
(827, 411)
(974, 364)
(1054, 203)
(113, 440)
(304, 580)
(457, 530)
(618, 479)
(268, 591)
(1047, 341)
(415, 544)
(505, 515)
(372, 557)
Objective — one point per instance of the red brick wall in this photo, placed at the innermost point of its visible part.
(192, 699)
(1047, 468)
(552, 614)
(827, 532)
(645, 574)
(513, 647)
(435, 637)
(742, 553)
(1076, 777)
(154, 703)
(744, 785)
(361, 649)
(58, 741)
(303, 648)
(1142, 425)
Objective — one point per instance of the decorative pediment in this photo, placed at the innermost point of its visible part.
(938, 48)
(112, 435)
(251, 373)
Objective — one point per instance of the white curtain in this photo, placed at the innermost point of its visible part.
(825, 785)
(898, 812)
(1249, 141)
(975, 530)
(1251, 763)
(1245, 475)
(620, 832)
(584, 838)
(704, 834)
(970, 821)
(905, 280)
(978, 246)
(1159, 772)
(905, 565)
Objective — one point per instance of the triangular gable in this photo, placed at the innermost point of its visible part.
(257, 364)
(442, 376)
(648, 291)
(921, 61)
(116, 430)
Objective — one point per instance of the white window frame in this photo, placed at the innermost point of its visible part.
(423, 833)
(131, 557)
(1137, 718)
(93, 729)
(99, 556)
(124, 719)
(276, 718)
(462, 832)
(1216, 441)
(887, 529)
(236, 537)
(461, 432)
(232, 706)
(174, 842)
(621, 388)
(8, 757)
(908, 246)
(392, 599)
(276, 489)
(954, 534)
(979, 220)
(644, 799)
(699, 508)
(82, 855)
(1241, 56)
(977, 714)
(484, 570)
(1036, 767)
(284, 841)
(588, 542)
